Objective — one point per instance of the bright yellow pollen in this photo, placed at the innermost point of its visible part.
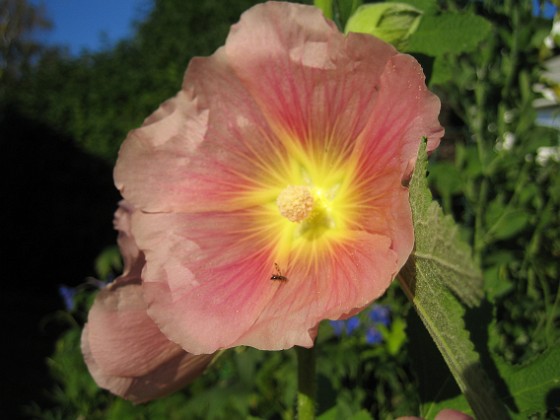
(295, 203)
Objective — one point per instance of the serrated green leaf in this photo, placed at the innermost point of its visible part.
(438, 244)
(441, 261)
(453, 33)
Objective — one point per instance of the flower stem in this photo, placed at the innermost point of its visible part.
(306, 383)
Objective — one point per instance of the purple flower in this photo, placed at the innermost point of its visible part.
(373, 336)
(352, 324)
(339, 327)
(67, 294)
(380, 314)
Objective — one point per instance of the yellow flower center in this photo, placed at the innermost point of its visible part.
(310, 209)
(295, 203)
(303, 204)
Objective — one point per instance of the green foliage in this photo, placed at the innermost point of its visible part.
(354, 376)
(338, 10)
(503, 197)
(326, 7)
(534, 384)
(448, 33)
(108, 262)
(356, 379)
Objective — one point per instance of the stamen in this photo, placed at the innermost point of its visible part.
(295, 203)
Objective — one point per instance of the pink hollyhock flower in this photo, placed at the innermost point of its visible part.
(124, 350)
(270, 188)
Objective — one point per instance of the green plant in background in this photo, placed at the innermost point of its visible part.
(483, 60)
(507, 197)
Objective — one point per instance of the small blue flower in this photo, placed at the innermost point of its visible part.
(352, 324)
(339, 327)
(380, 314)
(67, 294)
(373, 336)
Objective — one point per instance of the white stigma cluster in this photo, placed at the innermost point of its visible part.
(295, 203)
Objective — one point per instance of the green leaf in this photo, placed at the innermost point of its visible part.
(343, 9)
(496, 283)
(440, 262)
(396, 336)
(442, 72)
(109, 261)
(510, 223)
(453, 33)
(534, 386)
(334, 414)
(438, 245)
(326, 7)
(446, 177)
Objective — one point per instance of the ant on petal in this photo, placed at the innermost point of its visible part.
(278, 275)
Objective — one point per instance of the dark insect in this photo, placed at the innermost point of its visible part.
(278, 275)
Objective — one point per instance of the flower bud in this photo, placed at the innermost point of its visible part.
(391, 22)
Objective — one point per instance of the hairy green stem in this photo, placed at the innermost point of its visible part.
(306, 383)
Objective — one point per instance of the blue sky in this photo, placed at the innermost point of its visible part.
(93, 24)
(90, 24)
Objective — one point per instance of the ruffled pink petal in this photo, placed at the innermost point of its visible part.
(132, 257)
(359, 272)
(388, 210)
(309, 80)
(214, 294)
(193, 159)
(203, 290)
(404, 113)
(124, 350)
(326, 88)
(127, 354)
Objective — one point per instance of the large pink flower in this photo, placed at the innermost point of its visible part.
(124, 350)
(286, 148)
